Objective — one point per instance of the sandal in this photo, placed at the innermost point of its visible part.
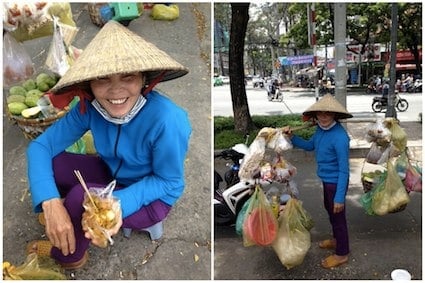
(328, 244)
(43, 248)
(332, 261)
(41, 219)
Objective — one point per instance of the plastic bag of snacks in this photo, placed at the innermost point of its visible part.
(102, 212)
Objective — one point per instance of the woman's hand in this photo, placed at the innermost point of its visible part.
(287, 131)
(338, 207)
(59, 228)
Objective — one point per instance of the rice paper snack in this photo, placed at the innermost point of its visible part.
(102, 212)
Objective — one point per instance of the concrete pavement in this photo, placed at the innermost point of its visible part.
(379, 244)
(184, 252)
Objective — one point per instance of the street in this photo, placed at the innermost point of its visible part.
(296, 100)
(378, 244)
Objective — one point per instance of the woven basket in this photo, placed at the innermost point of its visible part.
(94, 12)
(32, 128)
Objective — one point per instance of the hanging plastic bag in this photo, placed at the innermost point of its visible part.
(241, 218)
(250, 165)
(300, 215)
(293, 240)
(260, 225)
(17, 63)
(165, 12)
(398, 135)
(34, 268)
(392, 196)
(102, 212)
(30, 20)
(61, 56)
(378, 133)
(413, 178)
(279, 142)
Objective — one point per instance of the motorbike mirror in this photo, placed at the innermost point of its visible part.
(241, 148)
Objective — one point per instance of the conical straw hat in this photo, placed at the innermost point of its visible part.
(114, 50)
(328, 103)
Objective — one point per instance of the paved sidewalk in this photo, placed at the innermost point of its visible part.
(379, 244)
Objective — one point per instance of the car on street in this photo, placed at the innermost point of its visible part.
(225, 79)
(217, 81)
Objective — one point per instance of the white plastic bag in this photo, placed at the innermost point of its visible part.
(17, 63)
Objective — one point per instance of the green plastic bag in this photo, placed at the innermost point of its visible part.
(241, 218)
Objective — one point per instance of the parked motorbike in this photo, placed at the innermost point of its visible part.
(228, 203)
(380, 103)
(415, 87)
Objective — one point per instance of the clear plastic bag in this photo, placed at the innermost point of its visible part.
(390, 196)
(377, 132)
(61, 55)
(293, 239)
(250, 165)
(279, 142)
(17, 63)
(398, 135)
(102, 212)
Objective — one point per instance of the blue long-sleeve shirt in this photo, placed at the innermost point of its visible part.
(332, 150)
(146, 155)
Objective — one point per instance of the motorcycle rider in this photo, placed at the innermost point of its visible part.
(385, 89)
(274, 89)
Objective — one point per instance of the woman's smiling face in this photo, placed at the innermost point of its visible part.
(324, 118)
(118, 93)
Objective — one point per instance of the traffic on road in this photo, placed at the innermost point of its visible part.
(359, 103)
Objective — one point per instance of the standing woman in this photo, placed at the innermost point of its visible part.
(140, 135)
(331, 145)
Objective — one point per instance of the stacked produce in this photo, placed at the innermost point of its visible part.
(22, 99)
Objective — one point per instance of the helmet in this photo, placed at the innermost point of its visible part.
(240, 148)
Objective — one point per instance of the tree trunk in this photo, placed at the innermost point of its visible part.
(242, 118)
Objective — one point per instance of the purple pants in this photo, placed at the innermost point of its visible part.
(338, 220)
(96, 174)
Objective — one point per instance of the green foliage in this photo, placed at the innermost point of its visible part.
(226, 137)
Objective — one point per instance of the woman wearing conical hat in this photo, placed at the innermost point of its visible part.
(141, 139)
(331, 145)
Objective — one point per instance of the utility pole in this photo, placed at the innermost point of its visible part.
(391, 92)
(340, 20)
(311, 16)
